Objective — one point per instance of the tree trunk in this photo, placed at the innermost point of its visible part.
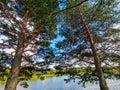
(14, 73)
(16, 65)
(100, 74)
(12, 80)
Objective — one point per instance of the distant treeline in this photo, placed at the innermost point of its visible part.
(30, 73)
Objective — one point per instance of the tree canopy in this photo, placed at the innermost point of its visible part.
(99, 17)
(28, 26)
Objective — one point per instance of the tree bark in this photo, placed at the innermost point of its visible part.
(100, 74)
(14, 73)
(16, 65)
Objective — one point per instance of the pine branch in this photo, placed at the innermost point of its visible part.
(9, 46)
(80, 3)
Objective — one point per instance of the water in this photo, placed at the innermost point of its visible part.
(57, 83)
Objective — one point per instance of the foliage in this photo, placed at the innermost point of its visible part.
(89, 75)
(3, 74)
(27, 26)
(85, 73)
(24, 84)
(99, 20)
(86, 26)
(31, 21)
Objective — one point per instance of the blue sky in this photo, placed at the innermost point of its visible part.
(58, 38)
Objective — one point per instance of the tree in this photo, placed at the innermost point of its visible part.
(79, 37)
(102, 82)
(28, 26)
(110, 48)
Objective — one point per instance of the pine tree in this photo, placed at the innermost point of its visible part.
(27, 26)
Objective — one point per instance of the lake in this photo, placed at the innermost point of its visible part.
(58, 83)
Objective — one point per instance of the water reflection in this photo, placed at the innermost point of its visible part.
(58, 83)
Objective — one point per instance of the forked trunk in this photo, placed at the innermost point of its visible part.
(100, 74)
